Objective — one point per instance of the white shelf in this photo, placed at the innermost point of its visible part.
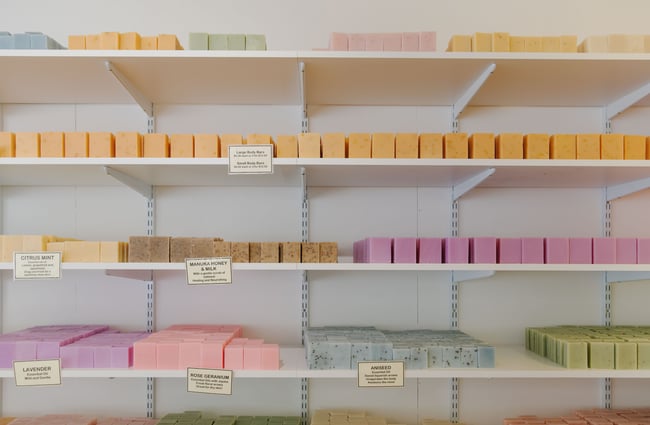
(511, 362)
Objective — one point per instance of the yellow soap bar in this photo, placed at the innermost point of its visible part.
(568, 43)
(36, 243)
(81, 251)
(562, 146)
(517, 43)
(333, 145)
(509, 146)
(259, 139)
(635, 44)
(359, 145)
(482, 42)
(55, 247)
(93, 42)
(551, 44)
(168, 42)
(52, 144)
(460, 43)
(456, 145)
(647, 148)
(588, 146)
(7, 144)
(130, 41)
(206, 145)
(500, 42)
(101, 144)
(611, 146)
(76, 144)
(431, 145)
(309, 145)
(286, 146)
(382, 145)
(616, 43)
(481, 146)
(181, 146)
(110, 41)
(11, 244)
(155, 145)
(149, 43)
(533, 44)
(76, 42)
(634, 147)
(536, 146)
(230, 139)
(407, 145)
(128, 144)
(28, 144)
(111, 252)
(594, 44)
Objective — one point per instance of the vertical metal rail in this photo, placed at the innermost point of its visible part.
(150, 393)
(304, 293)
(607, 303)
(454, 383)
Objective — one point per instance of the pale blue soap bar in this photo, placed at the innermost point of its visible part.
(21, 41)
(236, 42)
(42, 41)
(451, 356)
(382, 350)
(318, 354)
(6, 40)
(360, 352)
(218, 42)
(401, 353)
(468, 356)
(434, 355)
(486, 356)
(419, 358)
(340, 353)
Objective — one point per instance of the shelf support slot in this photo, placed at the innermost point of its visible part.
(304, 123)
(138, 185)
(143, 101)
(621, 104)
(304, 290)
(460, 105)
(624, 189)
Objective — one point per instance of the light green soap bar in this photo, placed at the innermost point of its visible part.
(643, 355)
(255, 42)
(575, 355)
(625, 355)
(198, 41)
(218, 42)
(236, 42)
(601, 355)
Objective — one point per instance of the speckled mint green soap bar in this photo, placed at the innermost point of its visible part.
(218, 42)
(198, 41)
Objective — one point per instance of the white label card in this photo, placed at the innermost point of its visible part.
(38, 372)
(209, 381)
(381, 374)
(209, 271)
(37, 265)
(250, 159)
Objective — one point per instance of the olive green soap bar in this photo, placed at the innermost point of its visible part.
(643, 355)
(625, 355)
(218, 42)
(601, 355)
(575, 355)
(236, 42)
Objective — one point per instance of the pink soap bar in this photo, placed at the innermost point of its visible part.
(509, 250)
(557, 250)
(144, 354)
(270, 357)
(357, 252)
(626, 251)
(457, 250)
(121, 357)
(102, 358)
(357, 42)
(25, 350)
(85, 356)
(338, 41)
(532, 250)
(374, 42)
(7, 353)
(580, 251)
(428, 41)
(378, 250)
(405, 250)
(167, 355)
(46, 350)
(233, 356)
(643, 250)
(189, 354)
(392, 42)
(429, 250)
(410, 41)
(253, 356)
(69, 356)
(212, 354)
(483, 250)
(604, 250)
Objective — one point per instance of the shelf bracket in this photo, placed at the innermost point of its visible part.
(624, 189)
(139, 186)
(460, 189)
(466, 275)
(145, 103)
(612, 277)
(624, 102)
(460, 105)
(304, 123)
(142, 275)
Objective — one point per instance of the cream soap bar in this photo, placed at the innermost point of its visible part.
(456, 145)
(588, 146)
(181, 146)
(286, 146)
(309, 145)
(536, 146)
(230, 139)
(128, 145)
(76, 144)
(611, 146)
(562, 146)
(383, 145)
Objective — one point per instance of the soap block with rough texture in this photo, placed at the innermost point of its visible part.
(155, 145)
(456, 145)
(580, 251)
(562, 146)
(536, 146)
(483, 250)
(588, 146)
(310, 252)
(611, 146)
(139, 249)
(286, 146)
(7, 144)
(202, 247)
(509, 250)
(255, 252)
(634, 147)
(604, 250)
(221, 248)
(457, 250)
(128, 144)
(180, 248)
(181, 146)
(130, 41)
(270, 252)
(431, 145)
(290, 252)
(77, 144)
(255, 42)
(28, 145)
(76, 42)
(101, 145)
(236, 42)
(405, 250)
(406, 145)
(206, 145)
(168, 42)
(333, 145)
(218, 42)
(509, 146)
(626, 251)
(482, 42)
(359, 145)
(198, 41)
(52, 144)
(159, 249)
(481, 146)
(382, 145)
(500, 42)
(110, 41)
(309, 145)
(230, 139)
(240, 252)
(81, 251)
(149, 43)
(517, 43)
(328, 252)
(556, 250)
(429, 250)
(532, 250)
(460, 43)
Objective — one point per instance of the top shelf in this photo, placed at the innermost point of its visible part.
(340, 78)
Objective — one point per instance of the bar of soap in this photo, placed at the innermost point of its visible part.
(93, 41)
(159, 249)
(481, 145)
(556, 250)
(139, 249)
(427, 42)
(568, 43)
(382, 145)
(181, 146)
(130, 41)
(509, 146)
(259, 139)
(333, 145)
(52, 144)
(338, 41)
(76, 144)
(500, 42)
(483, 250)
(255, 42)
(206, 145)
(626, 251)
(128, 145)
(625, 355)
(457, 250)
(643, 250)
(149, 43)
(81, 251)
(290, 252)
(643, 355)
(460, 43)
(429, 250)
(240, 252)
(580, 251)
(611, 146)
(218, 42)
(532, 250)
(601, 355)
(357, 42)
(111, 252)
(168, 42)
(551, 44)
(328, 252)
(101, 145)
(310, 252)
(110, 41)
(28, 145)
(221, 248)
(180, 249)
(198, 41)
(431, 145)
(482, 42)
(517, 43)
(359, 145)
(562, 146)
(634, 147)
(406, 145)
(76, 42)
(588, 146)
(35, 242)
(270, 252)
(309, 145)
(576, 355)
(410, 41)
(604, 250)
(376, 250)
(533, 44)
(202, 247)
(255, 252)
(509, 250)
(374, 42)
(536, 146)
(286, 146)
(229, 139)
(236, 42)
(456, 145)
(7, 144)
(155, 145)
(405, 250)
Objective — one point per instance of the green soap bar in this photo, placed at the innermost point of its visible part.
(218, 42)
(601, 355)
(575, 355)
(255, 42)
(643, 355)
(198, 41)
(625, 355)
(236, 42)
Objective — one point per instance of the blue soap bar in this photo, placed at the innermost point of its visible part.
(401, 353)
(21, 41)
(340, 353)
(450, 356)
(434, 354)
(485, 356)
(6, 40)
(468, 356)
(360, 352)
(419, 358)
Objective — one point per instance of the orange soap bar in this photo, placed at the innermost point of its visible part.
(258, 139)
(456, 145)
(76, 144)
(76, 42)
(431, 145)
(149, 43)
(383, 145)
(481, 146)
(229, 139)
(181, 146)
(101, 144)
(168, 42)
(28, 145)
(588, 146)
(110, 41)
(93, 42)
(359, 145)
(634, 147)
(206, 145)
(309, 145)
(333, 145)
(562, 146)
(611, 146)
(536, 146)
(7, 144)
(286, 146)
(500, 42)
(509, 146)
(52, 144)
(130, 41)
(128, 144)
(155, 145)
(406, 145)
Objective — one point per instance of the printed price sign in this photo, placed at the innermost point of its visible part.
(37, 265)
(209, 381)
(38, 372)
(381, 374)
(250, 159)
(208, 271)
